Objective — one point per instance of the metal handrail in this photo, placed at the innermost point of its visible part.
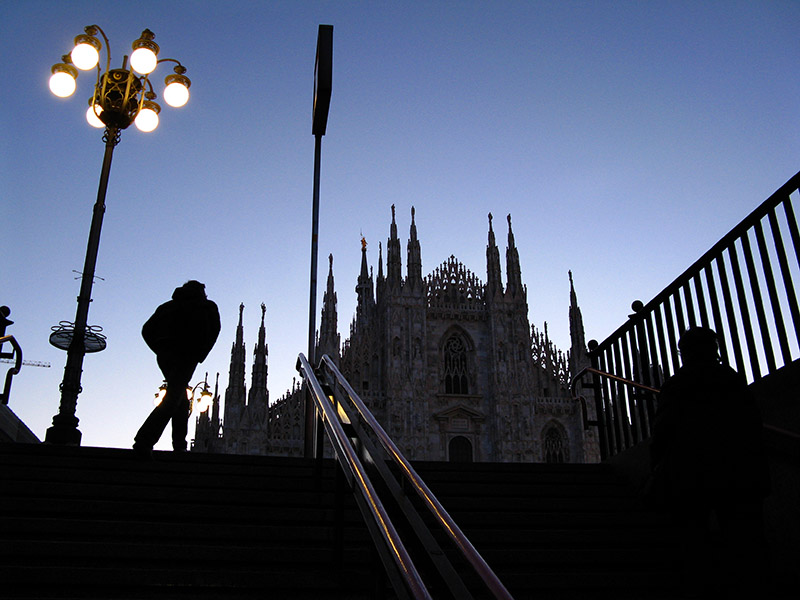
(6, 393)
(358, 479)
(586, 370)
(453, 531)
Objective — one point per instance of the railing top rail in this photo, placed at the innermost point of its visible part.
(349, 460)
(734, 234)
(469, 552)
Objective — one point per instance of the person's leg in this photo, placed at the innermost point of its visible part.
(181, 373)
(150, 431)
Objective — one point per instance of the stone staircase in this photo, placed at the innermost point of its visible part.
(102, 523)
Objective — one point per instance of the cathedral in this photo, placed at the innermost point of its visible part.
(450, 366)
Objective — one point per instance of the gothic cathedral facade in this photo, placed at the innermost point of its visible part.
(449, 365)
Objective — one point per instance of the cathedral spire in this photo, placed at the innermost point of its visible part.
(514, 285)
(494, 278)
(258, 398)
(578, 357)
(414, 256)
(236, 392)
(328, 336)
(366, 299)
(393, 260)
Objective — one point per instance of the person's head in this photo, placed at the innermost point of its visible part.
(191, 290)
(699, 345)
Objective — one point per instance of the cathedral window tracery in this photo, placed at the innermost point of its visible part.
(455, 366)
(555, 448)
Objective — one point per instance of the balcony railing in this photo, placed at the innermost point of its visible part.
(742, 288)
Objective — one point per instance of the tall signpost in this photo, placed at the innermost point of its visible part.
(323, 77)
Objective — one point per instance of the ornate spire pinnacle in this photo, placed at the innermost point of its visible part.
(366, 299)
(236, 392)
(258, 398)
(514, 285)
(494, 278)
(393, 260)
(414, 256)
(577, 355)
(328, 327)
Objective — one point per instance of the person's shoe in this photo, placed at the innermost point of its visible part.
(143, 452)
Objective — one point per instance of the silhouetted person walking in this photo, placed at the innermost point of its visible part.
(181, 332)
(708, 459)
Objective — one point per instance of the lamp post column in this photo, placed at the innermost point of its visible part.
(65, 423)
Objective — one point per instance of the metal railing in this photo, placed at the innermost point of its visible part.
(735, 289)
(357, 438)
(17, 352)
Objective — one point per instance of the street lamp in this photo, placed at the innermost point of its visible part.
(323, 79)
(120, 97)
(203, 401)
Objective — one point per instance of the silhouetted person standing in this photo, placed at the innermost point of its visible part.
(708, 459)
(181, 332)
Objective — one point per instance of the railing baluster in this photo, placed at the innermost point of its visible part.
(701, 300)
(761, 316)
(745, 313)
(662, 344)
(777, 313)
(673, 340)
(630, 409)
(687, 298)
(792, 222)
(715, 312)
(786, 273)
(736, 345)
(621, 419)
(676, 300)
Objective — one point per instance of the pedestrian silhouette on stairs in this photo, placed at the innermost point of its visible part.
(710, 469)
(181, 332)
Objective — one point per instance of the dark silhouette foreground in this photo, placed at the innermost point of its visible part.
(710, 469)
(181, 332)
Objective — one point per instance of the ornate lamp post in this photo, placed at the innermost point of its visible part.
(120, 97)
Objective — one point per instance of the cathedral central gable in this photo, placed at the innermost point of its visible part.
(452, 286)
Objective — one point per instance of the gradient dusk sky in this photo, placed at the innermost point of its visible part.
(623, 137)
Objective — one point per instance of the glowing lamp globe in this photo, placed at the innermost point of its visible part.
(176, 94)
(147, 119)
(204, 402)
(93, 116)
(62, 84)
(85, 56)
(143, 60)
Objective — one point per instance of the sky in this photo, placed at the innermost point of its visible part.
(624, 138)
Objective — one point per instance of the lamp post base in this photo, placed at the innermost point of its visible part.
(63, 433)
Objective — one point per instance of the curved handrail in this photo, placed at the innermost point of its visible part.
(622, 380)
(349, 459)
(13, 370)
(469, 552)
